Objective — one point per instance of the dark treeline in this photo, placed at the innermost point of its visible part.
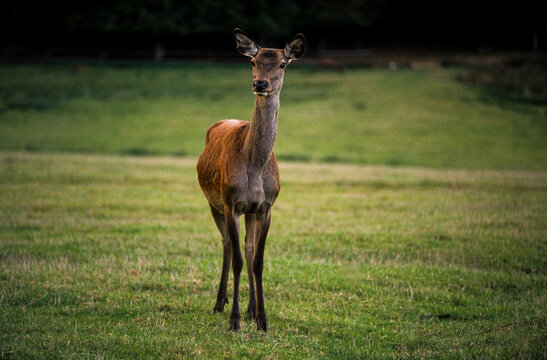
(342, 24)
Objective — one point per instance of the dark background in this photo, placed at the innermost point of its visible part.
(170, 28)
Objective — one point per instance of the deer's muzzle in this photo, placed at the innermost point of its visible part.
(260, 87)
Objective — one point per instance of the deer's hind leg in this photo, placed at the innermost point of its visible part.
(222, 297)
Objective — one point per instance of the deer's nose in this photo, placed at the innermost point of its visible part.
(260, 85)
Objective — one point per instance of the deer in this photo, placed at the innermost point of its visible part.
(239, 175)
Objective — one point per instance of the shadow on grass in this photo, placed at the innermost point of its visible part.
(139, 151)
(293, 157)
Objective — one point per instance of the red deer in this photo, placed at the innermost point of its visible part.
(239, 175)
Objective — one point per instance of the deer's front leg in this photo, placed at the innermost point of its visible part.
(250, 220)
(232, 227)
(262, 228)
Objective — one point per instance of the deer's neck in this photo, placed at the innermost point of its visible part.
(261, 138)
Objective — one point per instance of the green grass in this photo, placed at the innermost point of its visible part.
(413, 118)
(118, 257)
(109, 256)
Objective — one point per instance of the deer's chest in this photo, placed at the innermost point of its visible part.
(254, 195)
(251, 198)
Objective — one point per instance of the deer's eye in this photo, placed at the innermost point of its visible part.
(282, 66)
(252, 63)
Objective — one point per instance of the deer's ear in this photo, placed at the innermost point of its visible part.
(245, 44)
(295, 47)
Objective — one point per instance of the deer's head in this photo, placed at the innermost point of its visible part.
(269, 64)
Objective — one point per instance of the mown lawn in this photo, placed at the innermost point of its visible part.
(363, 116)
(117, 257)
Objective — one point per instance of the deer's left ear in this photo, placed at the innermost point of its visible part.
(245, 44)
(295, 47)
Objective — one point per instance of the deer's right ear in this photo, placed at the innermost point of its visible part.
(245, 44)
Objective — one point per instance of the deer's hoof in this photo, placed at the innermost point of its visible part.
(261, 323)
(234, 324)
(219, 307)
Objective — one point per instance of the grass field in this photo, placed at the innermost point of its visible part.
(117, 257)
(106, 255)
(418, 118)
